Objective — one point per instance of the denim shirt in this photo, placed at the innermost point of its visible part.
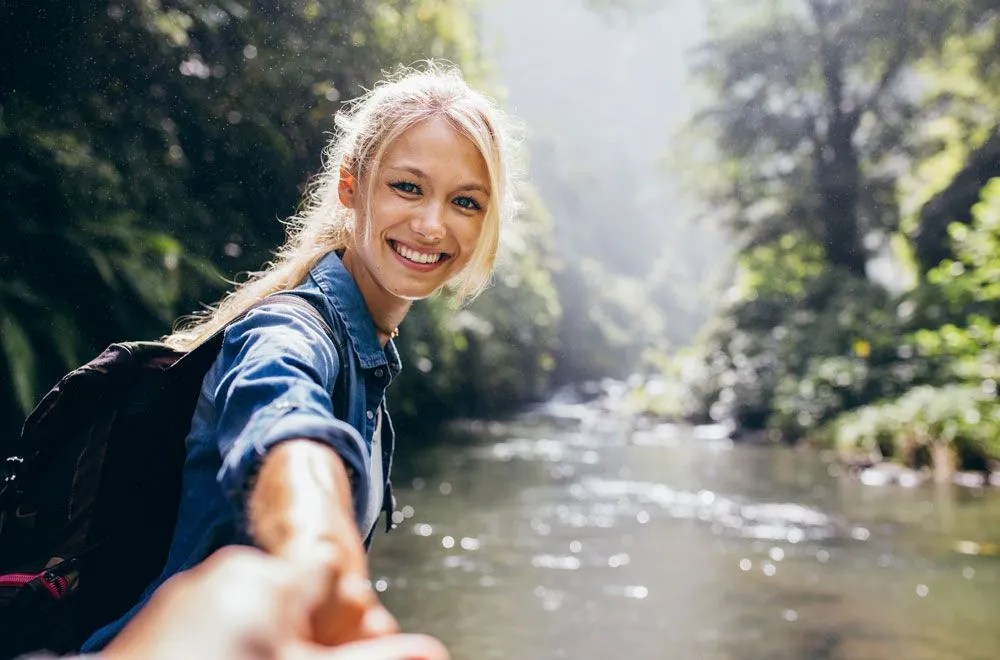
(279, 377)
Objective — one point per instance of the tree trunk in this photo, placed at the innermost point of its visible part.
(838, 177)
(954, 203)
(838, 172)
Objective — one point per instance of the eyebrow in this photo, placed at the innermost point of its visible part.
(416, 171)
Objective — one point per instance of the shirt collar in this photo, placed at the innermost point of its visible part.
(341, 290)
(392, 355)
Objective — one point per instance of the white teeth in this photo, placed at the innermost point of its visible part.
(413, 255)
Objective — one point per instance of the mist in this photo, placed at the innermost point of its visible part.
(604, 94)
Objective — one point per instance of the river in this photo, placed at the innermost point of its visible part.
(562, 533)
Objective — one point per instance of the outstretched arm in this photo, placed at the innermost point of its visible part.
(300, 508)
(286, 459)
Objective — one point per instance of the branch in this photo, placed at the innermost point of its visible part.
(893, 65)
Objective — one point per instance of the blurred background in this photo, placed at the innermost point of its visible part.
(733, 393)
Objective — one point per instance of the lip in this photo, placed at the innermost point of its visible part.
(413, 265)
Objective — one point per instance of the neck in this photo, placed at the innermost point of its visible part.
(387, 311)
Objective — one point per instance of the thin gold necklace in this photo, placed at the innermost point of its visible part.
(391, 334)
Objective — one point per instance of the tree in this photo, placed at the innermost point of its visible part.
(835, 124)
(812, 104)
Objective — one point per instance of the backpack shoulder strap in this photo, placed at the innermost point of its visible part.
(204, 353)
(289, 298)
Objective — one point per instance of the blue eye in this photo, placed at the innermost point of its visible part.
(406, 187)
(467, 203)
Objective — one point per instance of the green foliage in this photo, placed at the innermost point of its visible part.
(962, 419)
(971, 280)
(829, 120)
(674, 391)
(796, 342)
(957, 141)
(782, 269)
(790, 362)
(963, 296)
(803, 343)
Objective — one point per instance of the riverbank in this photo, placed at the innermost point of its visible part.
(941, 435)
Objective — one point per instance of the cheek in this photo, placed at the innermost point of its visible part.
(468, 238)
(386, 209)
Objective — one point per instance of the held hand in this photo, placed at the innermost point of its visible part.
(348, 609)
(242, 604)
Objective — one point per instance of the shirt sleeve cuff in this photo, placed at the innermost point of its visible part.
(291, 422)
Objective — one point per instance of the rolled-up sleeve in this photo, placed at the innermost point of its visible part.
(278, 366)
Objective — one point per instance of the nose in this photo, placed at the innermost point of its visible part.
(429, 222)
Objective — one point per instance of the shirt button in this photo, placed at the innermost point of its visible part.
(379, 372)
(371, 415)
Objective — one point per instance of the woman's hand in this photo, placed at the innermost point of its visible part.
(301, 510)
(241, 604)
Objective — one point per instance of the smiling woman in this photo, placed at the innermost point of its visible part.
(291, 444)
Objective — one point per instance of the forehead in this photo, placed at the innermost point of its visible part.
(437, 148)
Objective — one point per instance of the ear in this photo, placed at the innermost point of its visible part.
(347, 188)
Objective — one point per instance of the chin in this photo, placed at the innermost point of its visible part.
(414, 289)
(412, 294)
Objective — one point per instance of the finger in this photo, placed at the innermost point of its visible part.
(378, 622)
(373, 620)
(339, 618)
(316, 574)
(395, 647)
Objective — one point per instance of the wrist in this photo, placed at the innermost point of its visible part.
(301, 497)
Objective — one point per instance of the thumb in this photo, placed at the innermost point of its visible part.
(309, 575)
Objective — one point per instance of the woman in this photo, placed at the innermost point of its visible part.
(290, 445)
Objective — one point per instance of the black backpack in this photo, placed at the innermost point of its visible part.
(89, 494)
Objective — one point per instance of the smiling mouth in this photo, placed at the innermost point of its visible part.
(416, 256)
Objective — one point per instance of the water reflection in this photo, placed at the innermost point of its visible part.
(571, 537)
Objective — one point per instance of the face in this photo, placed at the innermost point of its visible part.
(428, 207)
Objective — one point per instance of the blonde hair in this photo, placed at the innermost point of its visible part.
(365, 127)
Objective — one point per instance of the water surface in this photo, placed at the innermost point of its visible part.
(565, 533)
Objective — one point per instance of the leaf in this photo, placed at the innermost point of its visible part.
(66, 338)
(104, 268)
(20, 360)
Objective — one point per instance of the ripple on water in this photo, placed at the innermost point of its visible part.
(462, 562)
(559, 562)
(552, 599)
(769, 521)
(422, 529)
(525, 449)
(662, 435)
(632, 591)
(619, 559)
